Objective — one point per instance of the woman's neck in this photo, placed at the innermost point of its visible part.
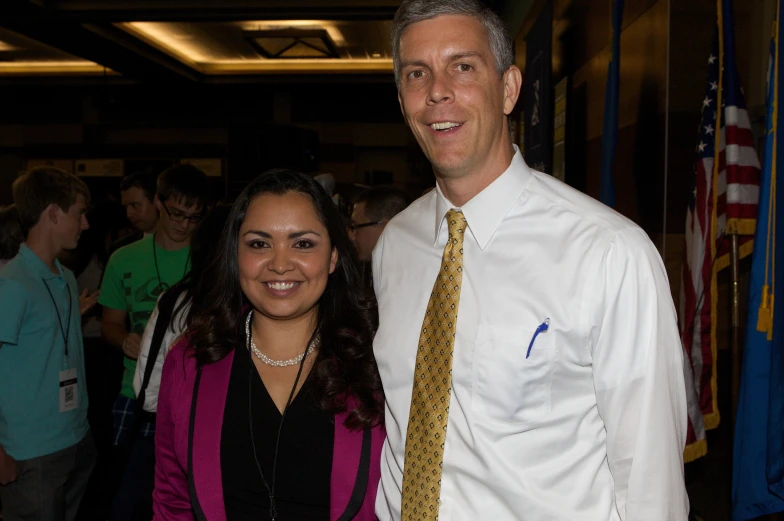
(283, 339)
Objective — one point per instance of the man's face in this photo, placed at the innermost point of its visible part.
(177, 220)
(366, 237)
(141, 211)
(70, 224)
(451, 96)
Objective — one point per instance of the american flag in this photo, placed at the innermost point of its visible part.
(720, 205)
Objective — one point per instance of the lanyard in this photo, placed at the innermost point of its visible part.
(273, 512)
(64, 330)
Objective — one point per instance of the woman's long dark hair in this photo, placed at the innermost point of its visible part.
(202, 247)
(345, 364)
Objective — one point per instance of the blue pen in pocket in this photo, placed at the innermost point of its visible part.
(542, 327)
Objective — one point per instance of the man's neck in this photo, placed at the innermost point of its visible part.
(150, 231)
(40, 243)
(462, 188)
(166, 243)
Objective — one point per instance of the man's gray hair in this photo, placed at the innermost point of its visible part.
(413, 11)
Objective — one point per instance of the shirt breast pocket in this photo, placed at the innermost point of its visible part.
(508, 387)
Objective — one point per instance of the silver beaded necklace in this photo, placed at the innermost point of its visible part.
(277, 363)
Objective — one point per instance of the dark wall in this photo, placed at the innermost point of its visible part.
(358, 127)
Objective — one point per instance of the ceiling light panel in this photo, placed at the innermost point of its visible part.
(272, 46)
(20, 55)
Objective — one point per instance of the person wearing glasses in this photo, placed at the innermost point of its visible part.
(373, 209)
(135, 277)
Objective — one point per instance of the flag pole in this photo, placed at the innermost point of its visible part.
(736, 357)
(714, 291)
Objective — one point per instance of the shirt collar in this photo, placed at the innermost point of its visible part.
(35, 262)
(487, 209)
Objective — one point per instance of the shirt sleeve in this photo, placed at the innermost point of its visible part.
(144, 351)
(111, 295)
(638, 379)
(13, 302)
(378, 252)
(176, 328)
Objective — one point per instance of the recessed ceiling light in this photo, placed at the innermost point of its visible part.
(292, 43)
(330, 26)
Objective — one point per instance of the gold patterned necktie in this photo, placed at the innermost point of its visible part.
(433, 384)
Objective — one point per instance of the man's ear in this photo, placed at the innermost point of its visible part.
(513, 80)
(52, 213)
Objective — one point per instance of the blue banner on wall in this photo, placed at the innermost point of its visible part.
(538, 93)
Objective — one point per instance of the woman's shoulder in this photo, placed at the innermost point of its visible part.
(180, 361)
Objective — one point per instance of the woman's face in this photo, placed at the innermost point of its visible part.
(284, 255)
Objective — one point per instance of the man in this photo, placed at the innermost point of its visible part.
(137, 194)
(46, 452)
(135, 276)
(546, 379)
(372, 210)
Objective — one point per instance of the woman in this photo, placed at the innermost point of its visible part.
(133, 499)
(272, 406)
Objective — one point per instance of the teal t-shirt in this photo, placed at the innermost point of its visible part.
(33, 354)
(132, 283)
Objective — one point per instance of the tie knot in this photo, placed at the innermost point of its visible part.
(457, 223)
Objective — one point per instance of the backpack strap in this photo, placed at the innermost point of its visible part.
(165, 310)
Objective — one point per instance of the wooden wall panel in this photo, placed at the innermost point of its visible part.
(591, 24)
(693, 25)
(643, 71)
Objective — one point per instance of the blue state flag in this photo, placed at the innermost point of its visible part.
(758, 459)
(610, 124)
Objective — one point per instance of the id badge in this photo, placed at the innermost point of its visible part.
(69, 399)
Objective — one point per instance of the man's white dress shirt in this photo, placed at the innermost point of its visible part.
(591, 425)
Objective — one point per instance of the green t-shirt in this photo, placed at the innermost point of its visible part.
(133, 283)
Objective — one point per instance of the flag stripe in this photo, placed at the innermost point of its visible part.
(737, 117)
(742, 156)
(739, 136)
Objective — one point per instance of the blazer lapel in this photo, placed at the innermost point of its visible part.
(345, 463)
(208, 423)
(351, 463)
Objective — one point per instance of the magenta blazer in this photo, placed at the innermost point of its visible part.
(188, 488)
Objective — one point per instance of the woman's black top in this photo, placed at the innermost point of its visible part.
(304, 464)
